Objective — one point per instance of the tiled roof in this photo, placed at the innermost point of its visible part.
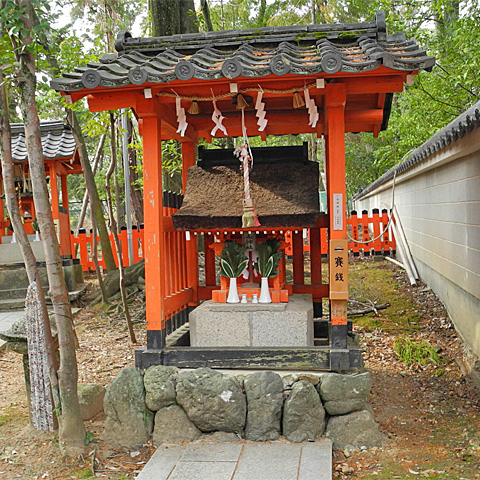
(463, 124)
(57, 141)
(297, 50)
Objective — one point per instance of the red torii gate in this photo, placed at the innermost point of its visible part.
(350, 72)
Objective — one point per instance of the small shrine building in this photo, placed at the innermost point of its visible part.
(60, 159)
(319, 79)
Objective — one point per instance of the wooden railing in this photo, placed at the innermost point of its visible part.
(182, 286)
(363, 227)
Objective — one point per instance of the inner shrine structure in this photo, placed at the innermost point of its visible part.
(325, 80)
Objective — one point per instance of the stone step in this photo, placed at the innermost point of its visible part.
(12, 304)
(241, 461)
(13, 294)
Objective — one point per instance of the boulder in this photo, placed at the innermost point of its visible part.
(159, 384)
(172, 426)
(129, 422)
(303, 413)
(212, 400)
(342, 393)
(354, 430)
(90, 398)
(265, 402)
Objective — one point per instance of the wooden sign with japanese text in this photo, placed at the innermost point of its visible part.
(338, 269)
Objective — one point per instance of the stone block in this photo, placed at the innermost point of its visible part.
(172, 426)
(129, 423)
(255, 325)
(159, 387)
(354, 430)
(342, 393)
(303, 413)
(264, 392)
(212, 401)
(90, 398)
(213, 328)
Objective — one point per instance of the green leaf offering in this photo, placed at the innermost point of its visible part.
(233, 261)
(269, 256)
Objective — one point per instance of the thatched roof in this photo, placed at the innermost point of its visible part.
(285, 194)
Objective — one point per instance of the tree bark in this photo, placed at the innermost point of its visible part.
(170, 17)
(86, 197)
(95, 203)
(135, 192)
(82, 150)
(113, 229)
(206, 16)
(72, 429)
(25, 247)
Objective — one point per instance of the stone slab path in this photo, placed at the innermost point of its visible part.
(241, 461)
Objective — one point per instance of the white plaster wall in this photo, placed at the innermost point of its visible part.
(438, 202)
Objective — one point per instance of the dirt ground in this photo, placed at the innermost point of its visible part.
(428, 414)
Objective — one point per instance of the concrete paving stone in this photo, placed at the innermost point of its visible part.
(223, 452)
(203, 471)
(316, 460)
(268, 462)
(161, 463)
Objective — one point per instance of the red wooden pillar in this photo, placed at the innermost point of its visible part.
(2, 210)
(54, 190)
(65, 246)
(298, 259)
(335, 100)
(153, 232)
(188, 159)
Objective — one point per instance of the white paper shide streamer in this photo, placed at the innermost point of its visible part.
(260, 107)
(181, 117)
(217, 120)
(312, 109)
(42, 411)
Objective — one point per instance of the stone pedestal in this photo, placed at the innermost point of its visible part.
(253, 325)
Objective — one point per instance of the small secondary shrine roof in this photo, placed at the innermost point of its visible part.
(57, 141)
(296, 50)
(283, 184)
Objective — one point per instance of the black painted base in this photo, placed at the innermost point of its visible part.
(337, 354)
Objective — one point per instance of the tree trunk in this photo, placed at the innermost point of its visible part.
(85, 196)
(170, 17)
(95, 204)
(82, 150)
(261, 20)
(206, 16)
(136, 195)
(25, 247)
(72, 429)
(188, 18)
(113, 229)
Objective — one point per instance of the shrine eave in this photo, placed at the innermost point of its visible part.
(58, 142)
(300, 51)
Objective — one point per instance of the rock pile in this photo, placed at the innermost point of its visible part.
(180, 406)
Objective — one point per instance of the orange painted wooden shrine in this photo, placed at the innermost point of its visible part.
(346, 74)
(61, 159)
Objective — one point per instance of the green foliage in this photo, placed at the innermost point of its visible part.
(411, 352)
(269, 256)
(90, 437)
(233, 261)
(84, 473)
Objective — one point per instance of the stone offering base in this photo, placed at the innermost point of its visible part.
(253, 325)
(180, 406)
